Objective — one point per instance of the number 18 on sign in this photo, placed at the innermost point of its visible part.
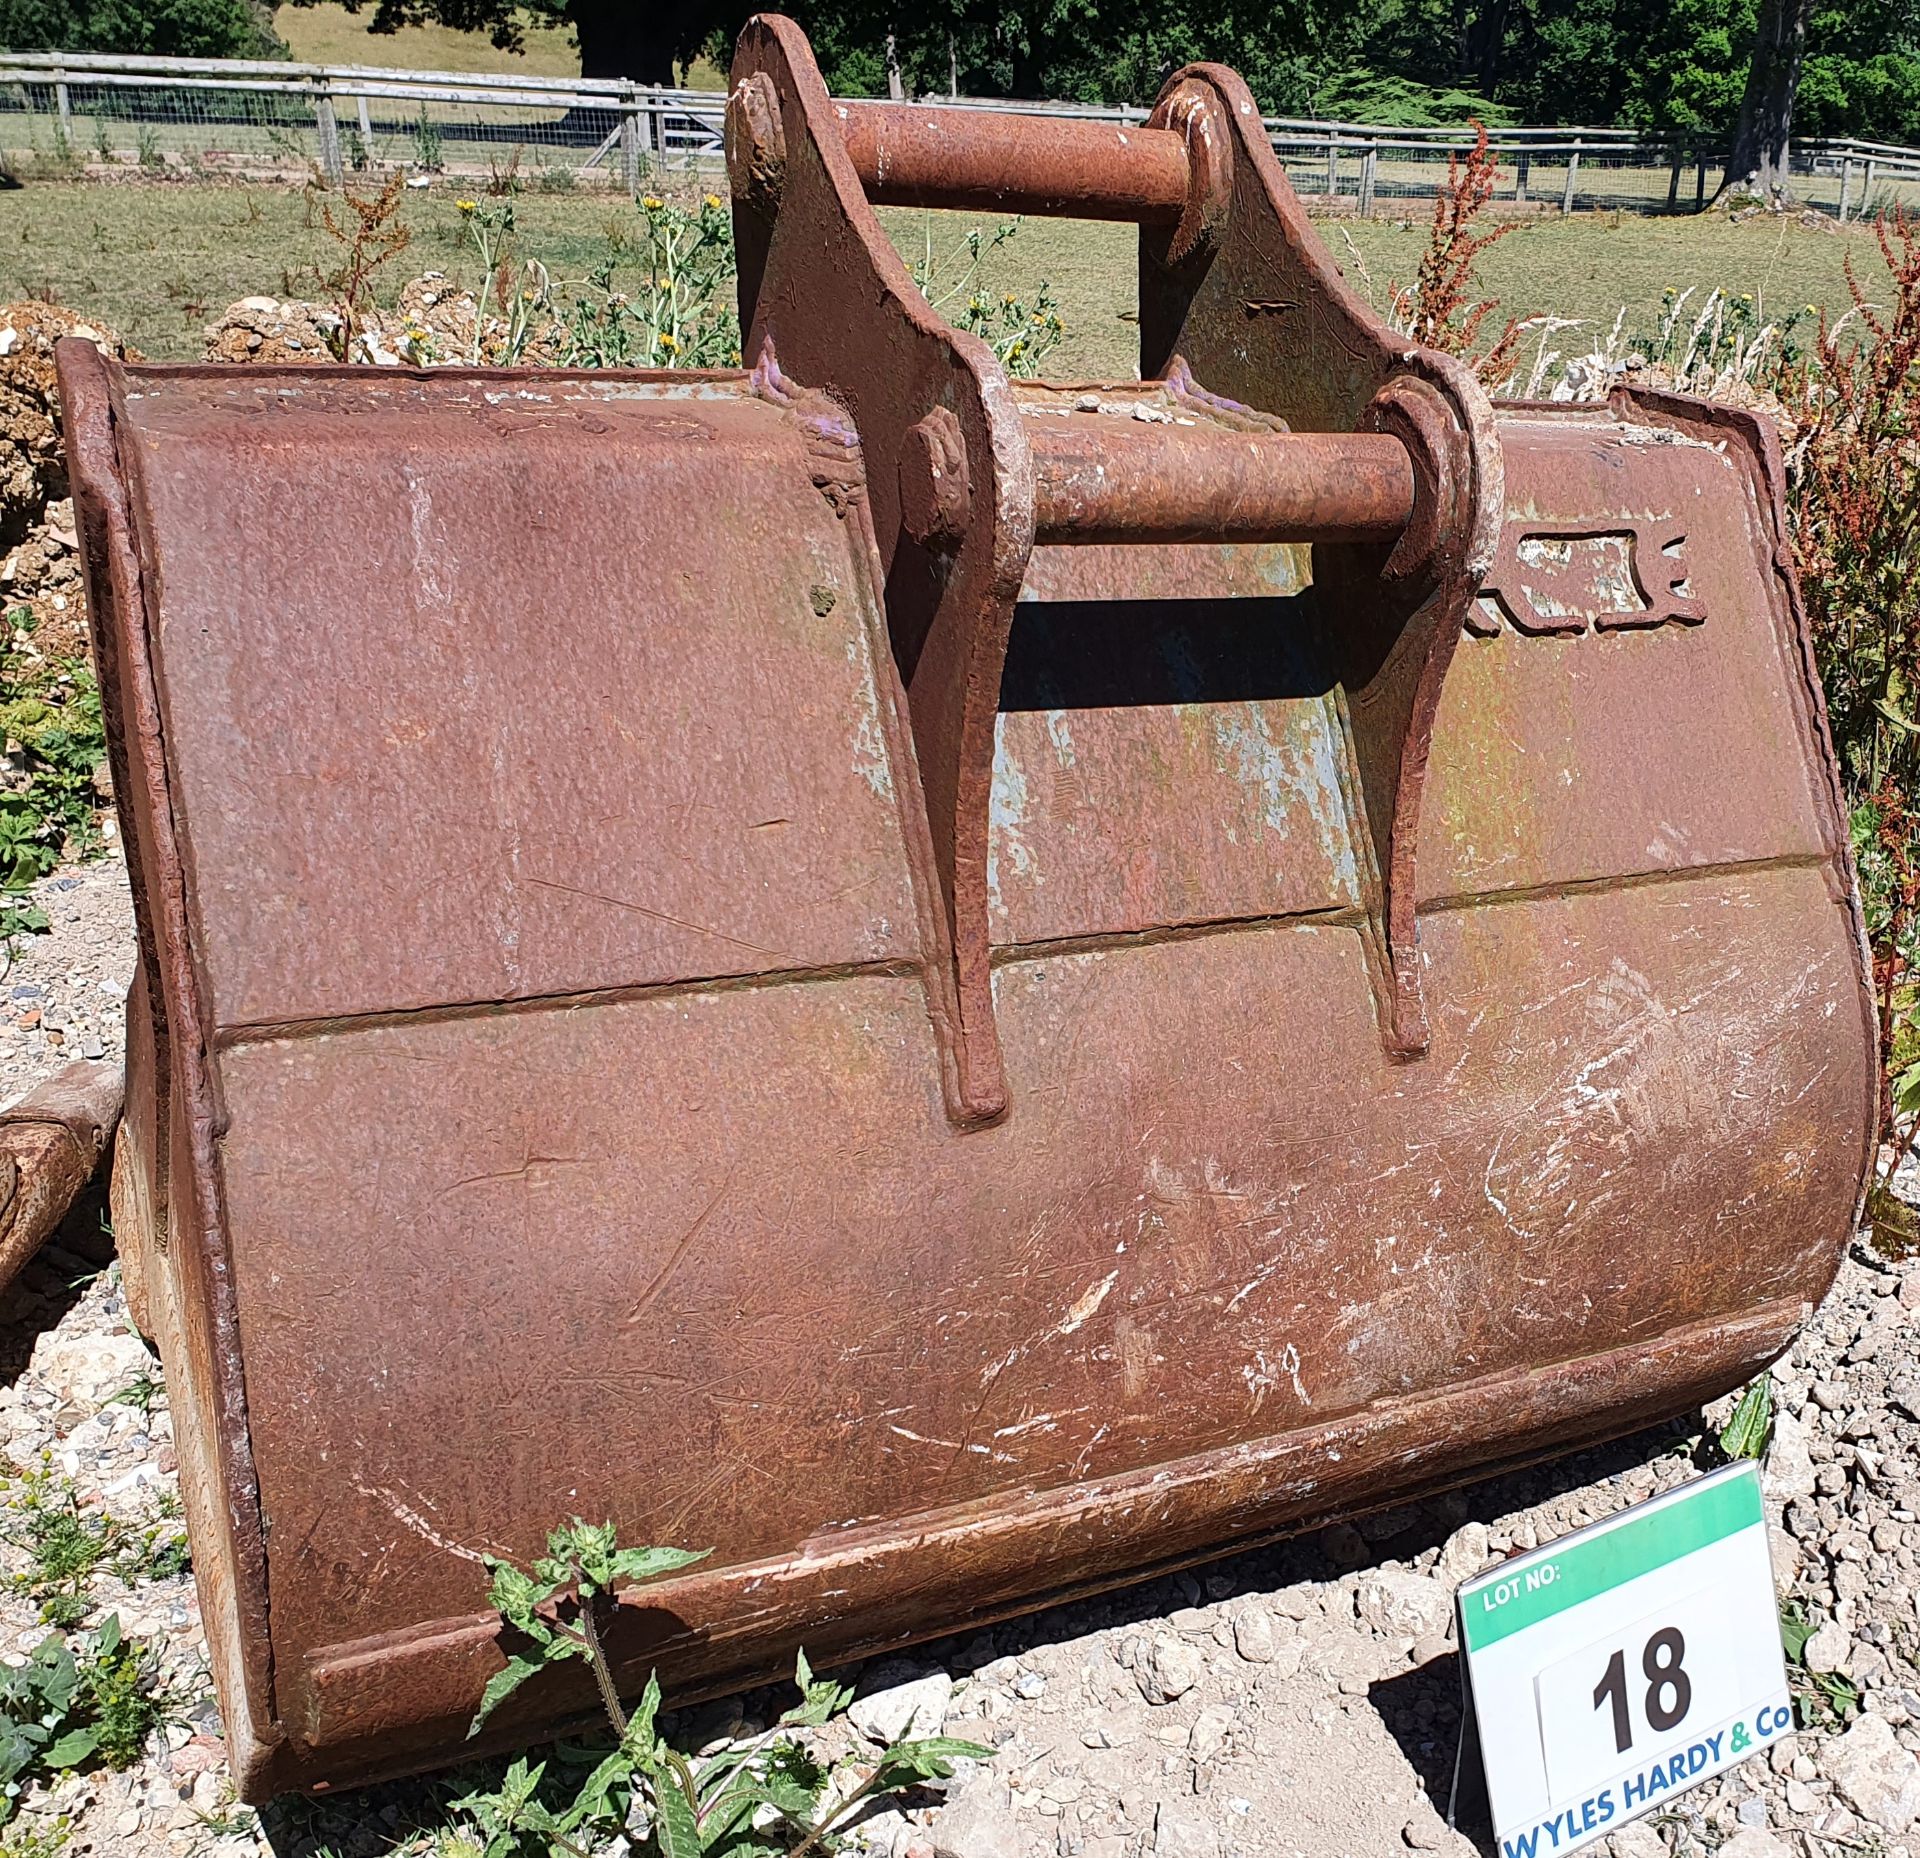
(1622, 1664)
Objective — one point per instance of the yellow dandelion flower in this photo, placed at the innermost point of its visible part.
(652, 202)
(667, 342)
(468, 206)
(713, 200)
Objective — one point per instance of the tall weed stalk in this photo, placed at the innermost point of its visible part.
(1440, 308)
(1856, 516)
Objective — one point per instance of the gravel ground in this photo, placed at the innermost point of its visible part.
(1299, 1702)
(65, 992)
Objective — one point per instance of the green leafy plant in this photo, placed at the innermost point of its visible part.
(1821, 1695)
(55, 743)
(1886, 853)
(92, 1697)
(68, 1545)
(1022, 332)
(766, 1795)
(25, 1839)
(140, 1393)
(122, 1705)
(427, 144)
(582, 1563)
(679, 311)
(1795, 1630)
(229, 1819)
(518, 293)
(1726, 341)
(1746, 1432)
(1829, 1696)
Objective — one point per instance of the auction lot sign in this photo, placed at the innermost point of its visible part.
(1625, 1662)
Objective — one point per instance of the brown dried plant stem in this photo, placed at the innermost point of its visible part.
(1443, 316)
(367, 237)
(1856, 517)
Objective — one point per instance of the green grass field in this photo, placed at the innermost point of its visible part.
(156, 261)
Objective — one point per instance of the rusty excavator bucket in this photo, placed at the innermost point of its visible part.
(957, 988)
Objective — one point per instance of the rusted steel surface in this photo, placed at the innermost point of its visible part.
(1103, 480)
(1004, 163)
(51, 1142)
(738, 953)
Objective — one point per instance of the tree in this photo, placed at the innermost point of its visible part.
(1862, 75)
(1663, 65)
(1758, 163)
(155, 28)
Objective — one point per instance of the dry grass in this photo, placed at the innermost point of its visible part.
(330, 35)
(1589, 266)
(156, 261)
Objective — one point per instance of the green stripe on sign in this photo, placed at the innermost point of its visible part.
(1505, 1603)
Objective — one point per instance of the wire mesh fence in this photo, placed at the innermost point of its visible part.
(219, 118)
(94, 114)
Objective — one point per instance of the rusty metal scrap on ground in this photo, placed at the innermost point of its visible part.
(51, 1141)
(959, 988)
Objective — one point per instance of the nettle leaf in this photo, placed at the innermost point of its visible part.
(501, 1685)
(603, 1794)
(724, 1815)
(641, 1719)
(675, 1824)
(646, 1564)
(512, 1595)
(821, 1699)
(795, 1793)
(580, 1550)
(930, 1759)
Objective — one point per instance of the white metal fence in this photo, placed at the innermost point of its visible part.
(96, 114)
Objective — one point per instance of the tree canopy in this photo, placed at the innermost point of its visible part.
(1657, 64)
(1654, 64)
(159, 28)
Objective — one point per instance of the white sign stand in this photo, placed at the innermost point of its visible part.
(1624, 1663)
